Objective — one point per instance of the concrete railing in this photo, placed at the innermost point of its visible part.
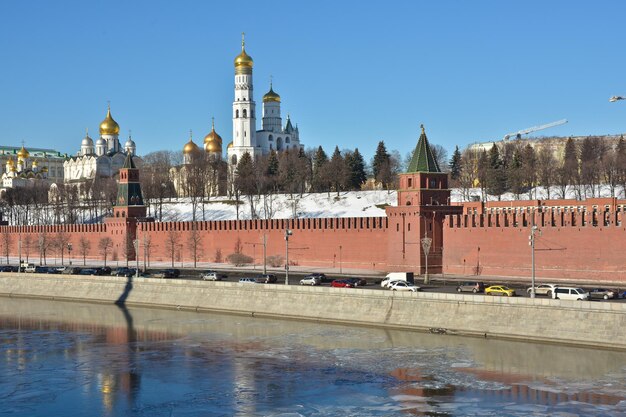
(545, 320)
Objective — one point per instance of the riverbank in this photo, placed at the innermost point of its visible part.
(543, 320)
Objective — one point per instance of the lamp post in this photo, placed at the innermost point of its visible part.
(19, 252)
(69, 252)
(40, 248)
(264, 240)
(340, 260)
(426, 242)
(136, 245)
(533, 231)
(288, 233)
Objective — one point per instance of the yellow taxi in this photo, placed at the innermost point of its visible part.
(500, 290)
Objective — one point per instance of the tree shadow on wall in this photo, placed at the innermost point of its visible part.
(121, 301)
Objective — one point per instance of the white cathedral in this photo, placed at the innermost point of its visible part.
(102, 160)
(273, 136)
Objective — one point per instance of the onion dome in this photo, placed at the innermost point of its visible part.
(35, 163)
(190, 147)
(23, 153)
(11, 162)
(108, 125)
(271, 96)
(230, 145)
(213, 141)
(130, 143)
(243, 61)
(87, 141)
(101, 142)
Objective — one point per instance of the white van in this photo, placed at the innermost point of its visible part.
(397, 276)
(570, 293)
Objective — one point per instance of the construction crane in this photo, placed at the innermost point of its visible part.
(519, 134)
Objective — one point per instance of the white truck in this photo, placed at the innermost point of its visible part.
(397, 276)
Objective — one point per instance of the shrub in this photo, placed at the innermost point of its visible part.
(239, 259)
(275, 260)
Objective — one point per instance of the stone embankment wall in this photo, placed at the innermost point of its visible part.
(544, 320)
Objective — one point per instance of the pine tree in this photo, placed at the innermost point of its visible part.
(482, 170)
(529, 169)
(496, 175)
(381, 159)
(356, 169)
(337, 170)
(455, 164)
(570, 171)
(320, 172)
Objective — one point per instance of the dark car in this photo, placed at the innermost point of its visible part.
(175, 273)
(269, 278)
(602, 294)
(72, 270)
(166, 273)
(124, 272)
(342, 283)
(41, 269)
(8, 268)
(88, 271)
(471, 286)
(358, 282)
(322, 277)
(52, 270)
(104, 270)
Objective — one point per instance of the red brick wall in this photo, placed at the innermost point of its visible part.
(569, 246)
(315, 242)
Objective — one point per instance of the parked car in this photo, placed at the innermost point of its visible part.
(471, 286)
(342, 283)
(88, 271)
(602, 294)
(386, 283)
(166, 273)
(358, 282)
(52, 270)
(104, 270)
(8, 268)
(30, 268)
(269, 278)
(311, 280)
(41, 270)
(322, 277)
(500, 290)
(174, 272)
(570, 293)
(72, 270)
(248, 281)
(210, 276)
(543, 289)
(404, 286)
(124, 272)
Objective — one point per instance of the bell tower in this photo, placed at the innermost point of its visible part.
(423, 203)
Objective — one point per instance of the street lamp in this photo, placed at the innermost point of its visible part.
(264, 239)
(288, 233)
(69, 252)
(136, 244)
(533, 231)
(426, 242)
(340, 259)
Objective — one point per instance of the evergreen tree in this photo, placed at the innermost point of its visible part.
(496, 175)
(320, 172)
(356, 169)
(620, 157)
(529, 169)
(482, 170)
(337, 170)
(570, 172)
(515, 174)
(455, 164)
(381, 159)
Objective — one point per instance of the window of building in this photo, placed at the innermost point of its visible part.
(236, 114)
(233, 160)
(245, 113)
(410, 183)
(270, 138)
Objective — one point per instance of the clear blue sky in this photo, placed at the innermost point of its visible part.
(350, 73)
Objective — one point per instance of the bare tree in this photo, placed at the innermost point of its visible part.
(147, 247)
(61, 239)
(6, 243)
(84, 246)
(28, 245)
(194, 242)
(171, 243)
(546, 169)
(104, 246)
(44, 245)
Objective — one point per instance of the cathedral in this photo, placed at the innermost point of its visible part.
(272, 137)
(102, 160)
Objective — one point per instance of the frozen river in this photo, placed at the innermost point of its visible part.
(71, 359)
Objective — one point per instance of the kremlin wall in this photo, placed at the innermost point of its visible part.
(579, 240)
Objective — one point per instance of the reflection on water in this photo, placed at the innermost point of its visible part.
(61, 358)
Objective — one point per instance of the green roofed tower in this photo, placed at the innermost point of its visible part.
(423, 159)
(423, 204)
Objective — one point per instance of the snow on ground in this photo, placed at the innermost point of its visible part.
(285, 206)
(540, 193)
(346, 204)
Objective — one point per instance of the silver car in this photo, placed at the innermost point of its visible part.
(543, 289)
(311, 280)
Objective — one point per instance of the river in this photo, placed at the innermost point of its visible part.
(63, 358)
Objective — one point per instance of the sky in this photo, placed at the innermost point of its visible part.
(350, 73)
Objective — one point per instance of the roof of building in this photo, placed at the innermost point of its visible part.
(423, 159)
(128, 162)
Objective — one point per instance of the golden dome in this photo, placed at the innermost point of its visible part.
(230, 145)
(35, 163)
(109, 126)
(190, 147)
(213, 141)
(243, 60)
(23, 153)
(271, 96)
(11, 162)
